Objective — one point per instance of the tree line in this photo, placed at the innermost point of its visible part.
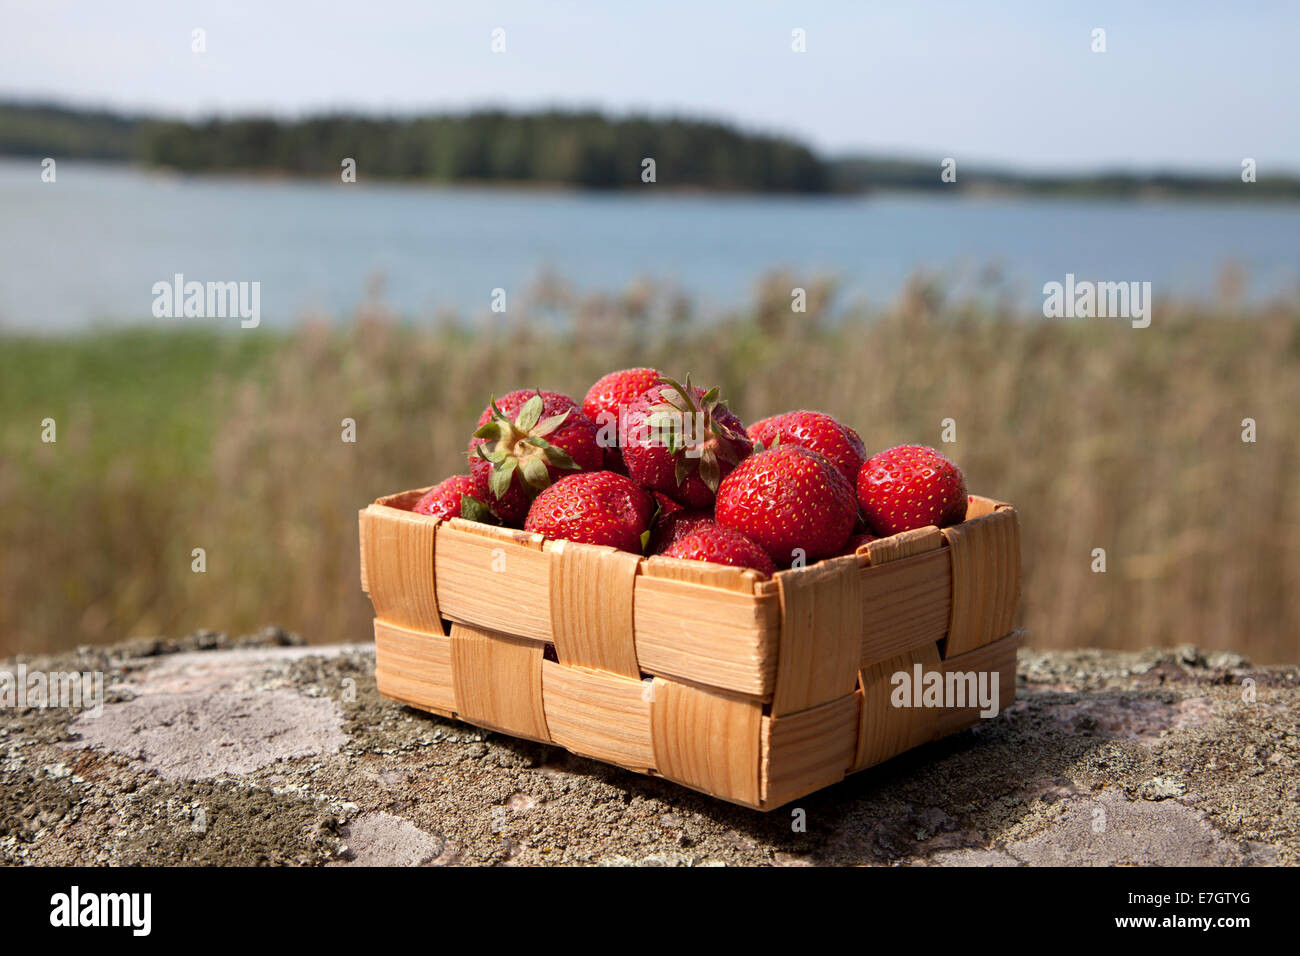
(581, 149)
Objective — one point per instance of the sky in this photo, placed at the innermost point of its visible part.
(1186, 86)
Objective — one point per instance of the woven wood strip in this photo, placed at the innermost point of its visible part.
(720, 638)
(402, 501)
(591, 607)
(494, 578)
(821, 628)
(905, 604)
(598, 715)
(414, 668)
(998, 656)
(397, 551)
(708, 741)
(905, 544)
(985, 554)
(809, 750)
(498, 680)
(979, 506)
(741, 580)
(884, 730)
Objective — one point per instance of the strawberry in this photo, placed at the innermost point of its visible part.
(682, 441)
(712, 542)
(670, 528)
(818, 431)
(617, 389)
(856, 541)
(607, 398)
(596, 507)
(523, 443)
(789, 500)
(910, 486)
(666, 506)
(453, 497)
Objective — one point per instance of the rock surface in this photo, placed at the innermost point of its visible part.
(264, 751)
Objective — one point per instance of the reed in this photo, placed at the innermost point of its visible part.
(1102, 435)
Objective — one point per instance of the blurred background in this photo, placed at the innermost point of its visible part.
(503, 148)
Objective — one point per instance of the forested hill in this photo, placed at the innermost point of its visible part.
(579, 149)
(61, 132)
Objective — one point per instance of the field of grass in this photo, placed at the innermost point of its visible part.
(1102, 435)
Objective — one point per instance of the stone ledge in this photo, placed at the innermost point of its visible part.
(263, 750)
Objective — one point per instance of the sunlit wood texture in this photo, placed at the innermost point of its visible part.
(598, 714)
(821, 634)
(498, 680)
(414, 668)
(808, 750)
(708, 740)
(985, 554)
(704, 623)
(495, 578)
(397, 558)
(591, 607)
(905, 544)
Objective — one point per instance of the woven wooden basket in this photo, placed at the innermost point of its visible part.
(754, 691)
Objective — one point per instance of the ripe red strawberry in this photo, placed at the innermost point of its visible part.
(617, 389)
(818, 431)
(665, 504)
(682, 441)
(606, 398)
(596, 507)
(856, 541)
(447, 499)
(789, 500)
(524, 442)
(910, 486)
(670, 528)
(712, 542)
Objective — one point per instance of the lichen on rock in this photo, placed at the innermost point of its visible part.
(261, 750)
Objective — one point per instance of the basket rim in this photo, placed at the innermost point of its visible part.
(745, 580)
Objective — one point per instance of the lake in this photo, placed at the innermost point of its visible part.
(89, 247)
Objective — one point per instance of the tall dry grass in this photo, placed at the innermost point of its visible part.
(1102, 435)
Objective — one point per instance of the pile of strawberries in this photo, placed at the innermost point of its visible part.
(652, 466)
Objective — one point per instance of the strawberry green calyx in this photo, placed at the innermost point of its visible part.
(521, 445)
(471, 509)
(694, 428)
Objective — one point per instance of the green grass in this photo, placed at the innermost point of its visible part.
(137, 394)
(135, 415)
(1102, 435)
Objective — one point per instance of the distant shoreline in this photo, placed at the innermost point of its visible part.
(560, 152)
(1074, 189)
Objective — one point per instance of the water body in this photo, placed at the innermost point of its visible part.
(90, 247)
